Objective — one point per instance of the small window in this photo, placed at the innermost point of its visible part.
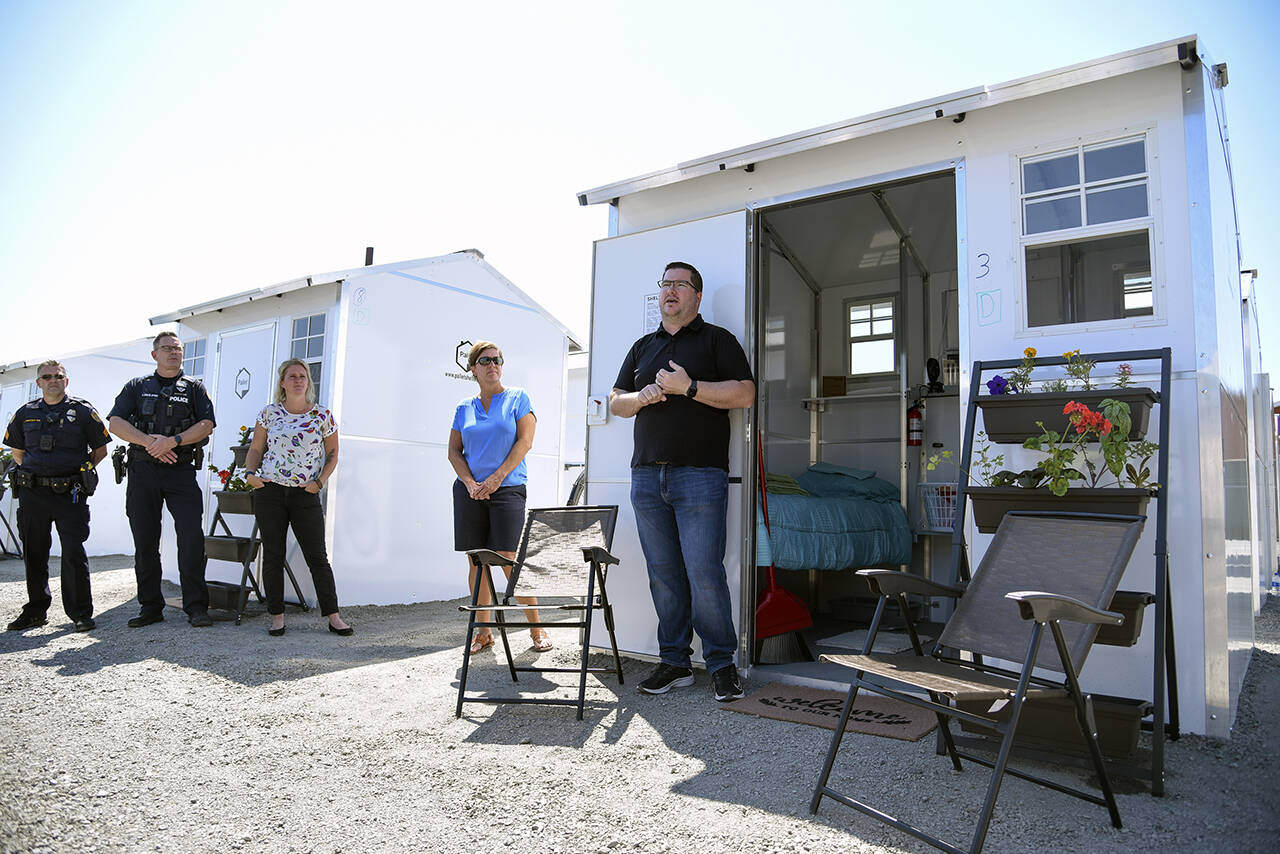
(872, 338)
(1114, 187)
(1074, 273)
(308, 344)
(193, 353)
(1086, 280)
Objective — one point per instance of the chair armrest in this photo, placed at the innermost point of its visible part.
(1045, 607)
(598, 554)
(890, 582)
(488, 557)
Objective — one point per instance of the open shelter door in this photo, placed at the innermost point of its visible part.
(246, 381)
(625, 307)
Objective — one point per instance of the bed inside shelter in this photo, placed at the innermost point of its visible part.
(858, 327)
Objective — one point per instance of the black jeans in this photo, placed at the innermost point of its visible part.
(151, 487)
(277, 508)
(38, 508)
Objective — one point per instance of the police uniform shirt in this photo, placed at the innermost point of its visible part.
(73, 423)
(680, 430)
(128, 403)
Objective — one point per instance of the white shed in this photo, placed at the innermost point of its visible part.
(1088, 207)
(97, 375)
(387, 345)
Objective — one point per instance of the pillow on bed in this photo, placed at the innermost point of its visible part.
(831, 481)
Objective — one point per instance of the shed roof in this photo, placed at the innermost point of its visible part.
(340, 276)
(950, 107)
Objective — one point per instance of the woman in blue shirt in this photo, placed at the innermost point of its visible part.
(492, 432)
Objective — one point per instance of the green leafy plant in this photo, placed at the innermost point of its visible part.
(1062, 450)
(1059, 384)
(1079, 368)
(987, 469)
(246, 434)
(230, 482)
(1020, 377)
(1140, 475)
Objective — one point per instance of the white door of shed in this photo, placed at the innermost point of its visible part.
(245, 382)
(624, 307)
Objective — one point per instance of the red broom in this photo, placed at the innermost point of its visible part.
(777, 611)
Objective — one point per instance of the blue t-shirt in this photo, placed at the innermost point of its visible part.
(487, 437)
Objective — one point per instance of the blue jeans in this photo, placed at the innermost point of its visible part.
(680, 517)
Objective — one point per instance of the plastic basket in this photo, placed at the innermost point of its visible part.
(938, 505)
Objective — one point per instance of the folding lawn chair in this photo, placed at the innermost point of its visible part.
(563, 560)
(1041, 569)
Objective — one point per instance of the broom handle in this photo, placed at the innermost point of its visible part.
(771, 582)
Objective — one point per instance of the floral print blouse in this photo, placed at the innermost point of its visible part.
(295, 444)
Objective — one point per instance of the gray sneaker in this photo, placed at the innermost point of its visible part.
(726, 684)
(665, 677)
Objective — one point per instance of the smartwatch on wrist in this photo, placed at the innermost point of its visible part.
(692, 391)
(177, 439)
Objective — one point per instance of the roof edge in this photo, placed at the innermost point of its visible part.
(945, 106)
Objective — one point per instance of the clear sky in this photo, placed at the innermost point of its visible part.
(158, 154)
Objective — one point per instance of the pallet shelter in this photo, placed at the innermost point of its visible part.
(387, 348)
(867, 264)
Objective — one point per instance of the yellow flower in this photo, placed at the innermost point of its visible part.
(1030, 352)
(1071, 354)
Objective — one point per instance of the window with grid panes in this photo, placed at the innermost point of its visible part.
(193, 353)
(307, 344)
(872, 340)
(1086, 226)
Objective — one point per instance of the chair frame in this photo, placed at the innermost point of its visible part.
(1047, 610)
(596, 599)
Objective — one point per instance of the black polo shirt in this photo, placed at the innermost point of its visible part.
(679, 430)
(74, 425)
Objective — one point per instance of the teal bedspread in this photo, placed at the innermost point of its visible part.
(840, 532)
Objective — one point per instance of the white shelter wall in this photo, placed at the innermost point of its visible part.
(96, 376)
(400, 382)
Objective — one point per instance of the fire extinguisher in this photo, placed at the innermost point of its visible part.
(915, 425)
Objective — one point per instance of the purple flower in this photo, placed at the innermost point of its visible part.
(999, 385)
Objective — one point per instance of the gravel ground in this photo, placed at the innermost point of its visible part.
(174, 739)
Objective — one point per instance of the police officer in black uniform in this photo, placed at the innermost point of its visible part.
(57, 440)
(166, 418)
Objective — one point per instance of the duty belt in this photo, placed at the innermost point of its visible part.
(26, 479)
(186, 454)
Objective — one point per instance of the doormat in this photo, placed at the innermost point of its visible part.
(889, 642)
(872, 714)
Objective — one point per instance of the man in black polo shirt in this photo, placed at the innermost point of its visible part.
(680, 382)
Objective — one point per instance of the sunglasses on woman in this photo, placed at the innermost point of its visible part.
(489, 360)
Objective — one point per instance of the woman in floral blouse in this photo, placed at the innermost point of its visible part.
(293, 454)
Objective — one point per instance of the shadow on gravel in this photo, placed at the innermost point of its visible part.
(547, 726)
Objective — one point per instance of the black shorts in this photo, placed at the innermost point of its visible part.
(494, 523)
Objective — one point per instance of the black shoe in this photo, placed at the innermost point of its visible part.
(200, 619)
(344, 632)
(665, 677)
(145, 619)
(275, 633)
(726, 684)
(85, 625)
(27, 621)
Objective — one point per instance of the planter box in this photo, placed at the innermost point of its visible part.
(234, 549)
(990, 503)
(235, 503)
(240, 451)
(1051, 723)
(1011, 418)
(1132, 604)
(225, 596)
